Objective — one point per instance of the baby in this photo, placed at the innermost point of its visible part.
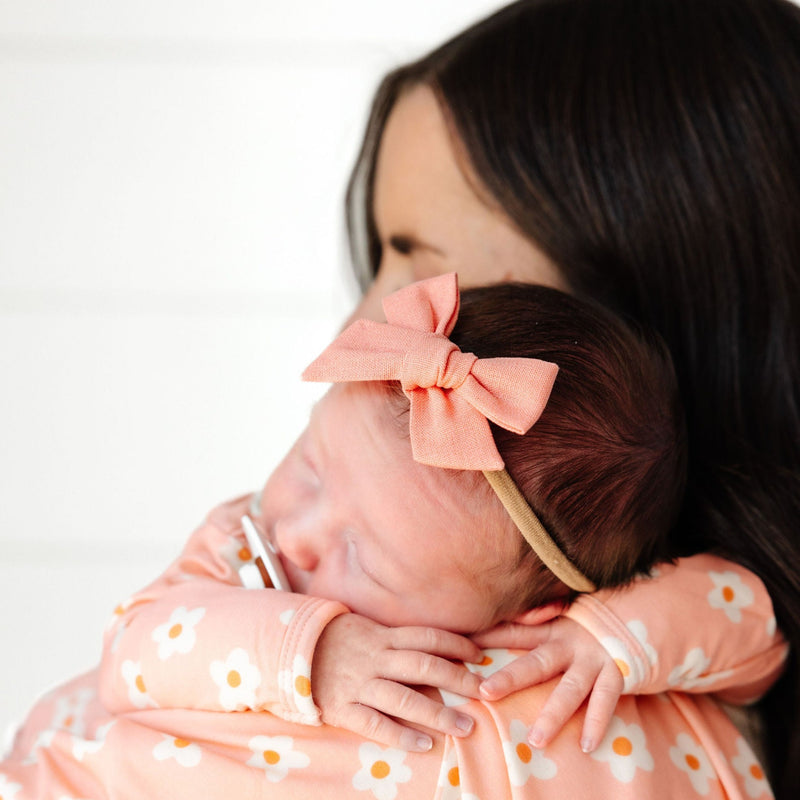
(472, 466)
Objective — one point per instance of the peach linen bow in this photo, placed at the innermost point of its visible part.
(452, 394)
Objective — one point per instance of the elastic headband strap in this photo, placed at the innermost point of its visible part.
(534, 533)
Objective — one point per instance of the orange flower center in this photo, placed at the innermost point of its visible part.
(622, 746)
(140, 684)
(234, 679)
(524, 753)
(453, 778)
(271, 757)
(175, 631)
(380, 769)
(624, 669)
(302, 686)
(727, 594)
(692, 762)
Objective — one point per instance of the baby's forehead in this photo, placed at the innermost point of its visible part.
(484, 542)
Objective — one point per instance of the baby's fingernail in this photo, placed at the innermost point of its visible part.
(424, 743)
(492, 686)
(464, 723)
(587, 745)
(536, 737)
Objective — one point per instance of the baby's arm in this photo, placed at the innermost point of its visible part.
(703, 625)
(196, 639)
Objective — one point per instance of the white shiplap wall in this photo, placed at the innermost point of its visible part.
(171, 255)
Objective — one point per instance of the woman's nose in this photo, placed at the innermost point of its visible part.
(391, 276)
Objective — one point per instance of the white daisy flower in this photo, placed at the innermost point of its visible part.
(693, 672)
(494, 659)
(118, 612)
(83, 747)
(639, 631)
(137, 690)
(627, 663)
(746, 764)
(276, 756)
(624, 747)
(729, 594)
(177, 634)
(287, 616)
(235, 552)
(449, 777)
(524, 761)
(237, 680)
(381, 771)
(186, 753)
(71, 710)
(689, 757)
(296, 683)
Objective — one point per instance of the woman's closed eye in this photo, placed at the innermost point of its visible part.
(401, 244)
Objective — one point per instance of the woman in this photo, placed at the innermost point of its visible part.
(644, 155)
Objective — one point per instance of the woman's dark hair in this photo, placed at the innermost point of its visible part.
(604, 467)
(651, 148)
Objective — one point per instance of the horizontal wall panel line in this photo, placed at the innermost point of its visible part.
(297, 53)
(69, 302)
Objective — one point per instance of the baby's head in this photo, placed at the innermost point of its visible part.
(604, 466)
(358, 519)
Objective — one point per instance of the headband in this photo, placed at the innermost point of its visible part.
(452, 395)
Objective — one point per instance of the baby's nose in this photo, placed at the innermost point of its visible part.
(297, 543)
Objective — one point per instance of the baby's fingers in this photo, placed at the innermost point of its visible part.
(539, 665)
(435, 641)
(372, 724)
(424, 669)
(407, 705)
(564, 701)
(514, 636)
(602, 702)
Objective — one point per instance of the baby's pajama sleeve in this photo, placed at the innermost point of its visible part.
(196, 639)
(701, 625)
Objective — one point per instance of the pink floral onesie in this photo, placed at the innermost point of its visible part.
(204, 691)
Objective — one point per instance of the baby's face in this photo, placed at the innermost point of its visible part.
(356, 519)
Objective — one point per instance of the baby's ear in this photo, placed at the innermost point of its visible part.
(536, 616)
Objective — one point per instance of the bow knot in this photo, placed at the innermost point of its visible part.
(453, 395)
(440, 363)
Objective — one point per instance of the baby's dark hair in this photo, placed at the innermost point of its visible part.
(604, 467)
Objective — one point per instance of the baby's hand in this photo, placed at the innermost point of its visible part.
(362, 674)
(561, 646)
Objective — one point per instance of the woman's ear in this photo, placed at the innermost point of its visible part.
(536, 616)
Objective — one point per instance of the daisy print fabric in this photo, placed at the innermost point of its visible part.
(732, 644)
(206, 687)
